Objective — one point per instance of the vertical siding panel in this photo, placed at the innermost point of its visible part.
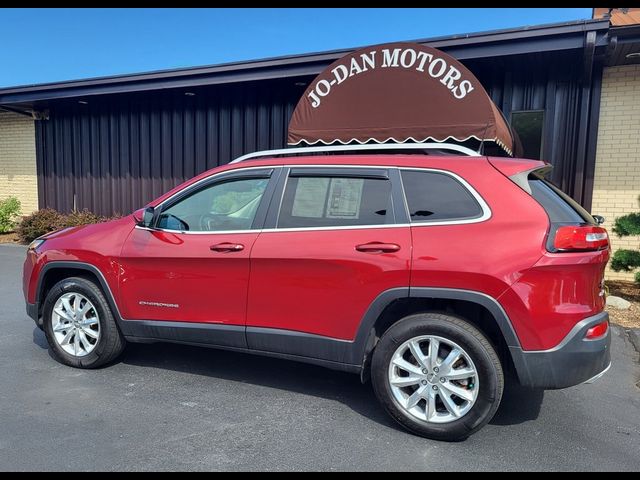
(177, 138)
(212, 150)
(189, 139)
(200, 139)
(145, 155)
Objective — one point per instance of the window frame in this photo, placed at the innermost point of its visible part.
(331, 171)
(486, 210)
(270, 173)
(334, 171)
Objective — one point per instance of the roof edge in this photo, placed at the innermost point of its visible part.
(181, 74)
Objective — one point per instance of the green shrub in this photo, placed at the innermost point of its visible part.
(9, 213)
(40, 222)
(47, 220)
(625, 260)
(627, 225)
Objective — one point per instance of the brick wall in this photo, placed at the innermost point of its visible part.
(18, 160)
(617, 177)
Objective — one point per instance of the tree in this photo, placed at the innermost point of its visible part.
(627, 260)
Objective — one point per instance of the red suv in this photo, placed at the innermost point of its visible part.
(432, 274)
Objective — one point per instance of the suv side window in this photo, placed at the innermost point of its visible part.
(437, 196)
(312, 200)
(227, 205)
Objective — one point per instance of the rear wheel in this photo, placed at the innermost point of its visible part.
(438, 376)
(79, 324)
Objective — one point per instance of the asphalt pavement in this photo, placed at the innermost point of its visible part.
(174, 407)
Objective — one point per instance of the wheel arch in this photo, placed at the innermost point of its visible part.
(55, 271)
(394, 304)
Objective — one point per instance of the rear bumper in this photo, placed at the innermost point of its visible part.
(575, 360)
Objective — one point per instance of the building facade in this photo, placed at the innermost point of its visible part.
(616, 190)
(570, 90)
(18, 175)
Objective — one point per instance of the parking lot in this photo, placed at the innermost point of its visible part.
(168, 407)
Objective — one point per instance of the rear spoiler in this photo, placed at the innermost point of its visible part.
(518, 171)
(522, 179)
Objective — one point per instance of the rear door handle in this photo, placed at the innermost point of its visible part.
(227, 247)
(377, 247)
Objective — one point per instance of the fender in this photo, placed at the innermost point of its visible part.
(365, 341)
(56, 265)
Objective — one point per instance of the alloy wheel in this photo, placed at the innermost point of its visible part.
(75, 324)
(433, 379)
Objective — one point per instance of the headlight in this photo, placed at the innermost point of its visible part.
(36, 243)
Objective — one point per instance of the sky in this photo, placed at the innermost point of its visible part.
(49, 45)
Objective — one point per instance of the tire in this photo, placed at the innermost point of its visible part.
(109, 343)
(439, 422)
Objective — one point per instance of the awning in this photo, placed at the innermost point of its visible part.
(398, 92)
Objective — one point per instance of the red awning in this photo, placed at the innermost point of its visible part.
(400, 92)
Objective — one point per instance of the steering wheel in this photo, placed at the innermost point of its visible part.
(209, 222)
(169, 222)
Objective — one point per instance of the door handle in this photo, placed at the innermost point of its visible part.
(377, 247)
(227, 247)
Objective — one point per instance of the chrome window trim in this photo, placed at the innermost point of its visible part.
(201, 232)
(483, 205)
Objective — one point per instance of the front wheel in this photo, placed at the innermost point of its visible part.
(79, 325)
(438, 376)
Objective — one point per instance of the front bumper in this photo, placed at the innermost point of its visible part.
(575, 360)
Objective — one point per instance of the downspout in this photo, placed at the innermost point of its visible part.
(581, 173)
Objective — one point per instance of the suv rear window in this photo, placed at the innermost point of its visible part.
(437, 196)
(560, 207)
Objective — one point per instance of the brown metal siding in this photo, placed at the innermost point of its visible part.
(121, 151)
(117, 154)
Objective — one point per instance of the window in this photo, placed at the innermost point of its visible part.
(325, 201)
(528, 126)
(437, 196)
(231, 205)
(560, 207)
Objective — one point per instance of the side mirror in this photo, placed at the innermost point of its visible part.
(599, 219)
(147, 217)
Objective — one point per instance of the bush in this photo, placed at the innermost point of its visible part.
(83, 217)
(625, 260)
(627, 225)
(9, 213)
(40, 222)
(48, 220)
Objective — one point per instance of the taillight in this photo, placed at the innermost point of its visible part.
(598, 331)
(573, 238)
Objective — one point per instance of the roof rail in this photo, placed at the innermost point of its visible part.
(350, 148)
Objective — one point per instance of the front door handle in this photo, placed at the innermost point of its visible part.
(377, 247)
(227, 247)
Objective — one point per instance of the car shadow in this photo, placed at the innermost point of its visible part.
(519, 404)
(263, 371)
